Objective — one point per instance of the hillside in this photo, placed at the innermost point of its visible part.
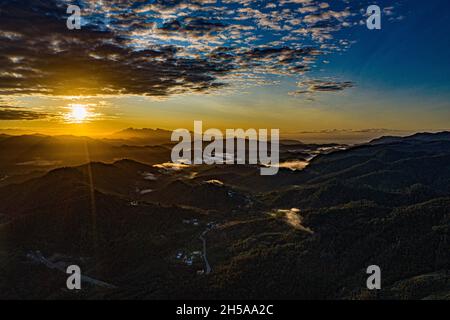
(306, 234)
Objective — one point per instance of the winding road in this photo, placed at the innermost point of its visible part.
(208, 269)
(39, 258)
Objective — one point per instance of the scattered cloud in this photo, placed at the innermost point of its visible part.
(16, 113)
(294, 165)
(309, 87)
(40, 163)
(215, 182)
(163, 48)
(169, 166)
(293, 217)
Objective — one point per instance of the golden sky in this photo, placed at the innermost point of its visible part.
(308, 68)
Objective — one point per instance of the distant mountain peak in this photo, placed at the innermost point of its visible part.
(421, 136)
(141, 131)
(144, 136)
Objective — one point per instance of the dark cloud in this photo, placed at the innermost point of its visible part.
(194, 27)
(157, 48)
(328, 86)
(15, 113)
(313, 86)
(38, 54)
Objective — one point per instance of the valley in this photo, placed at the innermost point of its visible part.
(225, 231)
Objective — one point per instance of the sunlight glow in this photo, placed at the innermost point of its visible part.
(78, 113)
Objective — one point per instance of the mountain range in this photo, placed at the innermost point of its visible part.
(126, 215)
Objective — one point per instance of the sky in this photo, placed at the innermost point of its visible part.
(306, 67)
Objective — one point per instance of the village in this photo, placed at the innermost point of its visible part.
(197, 258)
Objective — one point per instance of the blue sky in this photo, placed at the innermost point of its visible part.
(410, 53)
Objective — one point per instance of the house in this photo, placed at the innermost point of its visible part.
(212, 225)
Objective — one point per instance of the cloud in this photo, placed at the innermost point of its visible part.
(294, 165)
(15, 113)
(293, 217)
(328, 86)
(169, 166)
(45, 57)
(40, 163)
(163, 47)
(310, 87)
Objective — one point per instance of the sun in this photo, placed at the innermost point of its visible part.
(78, 113)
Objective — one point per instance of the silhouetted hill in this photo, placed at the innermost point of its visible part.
(308, 234)
(23, 154)
(425, 136)
(206, 195)
(140, 137)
